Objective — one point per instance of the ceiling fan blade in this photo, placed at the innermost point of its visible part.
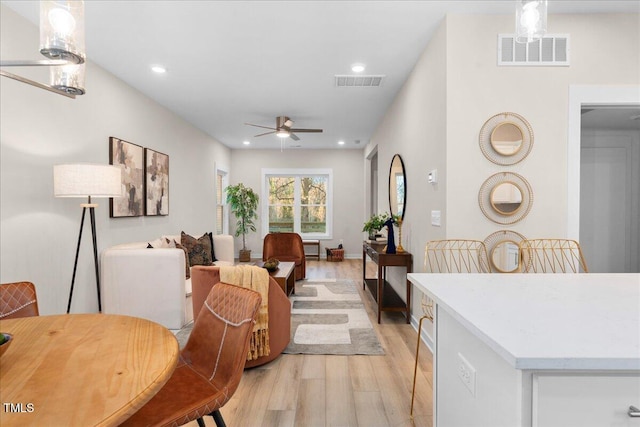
(259, 126)
(307, 130)
(263, 134)
(294, 137)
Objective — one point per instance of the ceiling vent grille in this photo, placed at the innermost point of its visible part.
(551, 50)
(358, 81)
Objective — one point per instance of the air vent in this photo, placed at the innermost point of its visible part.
(551, 50)
(358, 81)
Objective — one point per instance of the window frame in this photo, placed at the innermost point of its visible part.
(297, 174)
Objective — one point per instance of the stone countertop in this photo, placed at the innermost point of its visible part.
(546, 321)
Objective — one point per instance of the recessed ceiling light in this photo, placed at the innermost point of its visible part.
(340, 142)
(357, 68)
(158, 69)
(246, 142)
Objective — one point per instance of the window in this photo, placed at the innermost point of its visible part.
(222, 211)
(297, 200)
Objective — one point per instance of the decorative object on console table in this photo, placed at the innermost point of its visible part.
(156, 171)
(374, 225)
(382, 291)
(129, 158)
(391, 244)
(399, 248)
(87, 180)
(244, 204)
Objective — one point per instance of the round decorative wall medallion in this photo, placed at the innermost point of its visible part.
(506, 138)
(505, 198)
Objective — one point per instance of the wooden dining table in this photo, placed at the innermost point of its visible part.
(82, 369)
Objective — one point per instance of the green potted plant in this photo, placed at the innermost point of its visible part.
(244, 204)
(375, 224)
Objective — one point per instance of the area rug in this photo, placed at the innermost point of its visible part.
(328, 317)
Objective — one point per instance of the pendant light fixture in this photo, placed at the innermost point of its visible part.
(531, 20)
(62, 42)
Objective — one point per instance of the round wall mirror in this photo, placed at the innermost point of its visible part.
(506, 138)
(397, 187)
(505, 256)
(506, 198)
(504, 251)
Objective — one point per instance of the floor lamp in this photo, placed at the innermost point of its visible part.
(87, 180)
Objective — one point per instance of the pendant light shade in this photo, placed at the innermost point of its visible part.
(531, 20)
(62, 30)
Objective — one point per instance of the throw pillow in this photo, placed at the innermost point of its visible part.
(199, 249)
(187, 266)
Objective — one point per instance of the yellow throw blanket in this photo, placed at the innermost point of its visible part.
(256, 279)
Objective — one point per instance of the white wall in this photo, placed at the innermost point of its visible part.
(456, 86)
(40, 129)
(348, 190)
(415, 127)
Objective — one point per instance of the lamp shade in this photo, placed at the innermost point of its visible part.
(85, 179)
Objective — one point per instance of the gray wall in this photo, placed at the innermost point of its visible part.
(348, 190)
(40, 129)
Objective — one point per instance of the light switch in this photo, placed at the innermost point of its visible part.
(435, 218)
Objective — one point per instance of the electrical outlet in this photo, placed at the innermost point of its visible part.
(340, 241)
(467, 374)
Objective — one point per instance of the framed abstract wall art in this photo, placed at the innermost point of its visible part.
(156, 182)
(129, 157)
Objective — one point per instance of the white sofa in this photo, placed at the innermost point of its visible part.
(150, 283)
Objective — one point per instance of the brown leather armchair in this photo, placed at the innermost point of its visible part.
(286, 247)
(204, 278)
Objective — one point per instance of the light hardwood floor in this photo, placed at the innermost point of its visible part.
(319, 390)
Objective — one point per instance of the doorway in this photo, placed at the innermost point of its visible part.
(373, 183)
(610, 188)
(598, 160)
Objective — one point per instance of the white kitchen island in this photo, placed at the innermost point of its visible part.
(535, 350)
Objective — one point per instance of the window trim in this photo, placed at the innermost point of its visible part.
(298, 172)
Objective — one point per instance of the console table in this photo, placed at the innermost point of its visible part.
(381, 290)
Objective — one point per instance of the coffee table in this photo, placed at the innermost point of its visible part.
(285, 277)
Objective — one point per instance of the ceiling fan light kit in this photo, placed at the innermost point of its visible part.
(283, 129)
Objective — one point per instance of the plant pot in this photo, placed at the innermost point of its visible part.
(244, 255)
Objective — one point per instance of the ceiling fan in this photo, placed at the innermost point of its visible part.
(283, 129)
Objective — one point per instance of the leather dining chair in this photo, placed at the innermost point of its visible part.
(552, 256)
(448, 256)
(210, 365)
(18, 300)
(286, 247)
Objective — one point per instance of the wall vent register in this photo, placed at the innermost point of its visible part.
(550, 50)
